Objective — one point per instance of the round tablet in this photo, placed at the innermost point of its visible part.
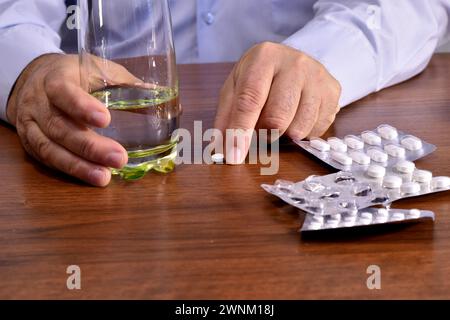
(319, 145)
(366, 215)
(383, 212)
(314, 226)
(360, 157)
(405, 166)
(440, 182)
(371, 138)
(397, 216)
(366, 221)
(342, 158)
(395, 151)
(318, 219)
(354, 142)
(411, 143)
(381, 219)
(337, 144)
(392, 182)
(218, 158)
(377, 155)
(376, 171)
(410, 188)
(422, 176)
(335, 217)
(414, 213)
(387, 132)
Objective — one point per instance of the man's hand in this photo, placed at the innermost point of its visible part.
(52, 114)
(276, 87)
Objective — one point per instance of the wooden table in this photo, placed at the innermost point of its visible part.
(211, 232)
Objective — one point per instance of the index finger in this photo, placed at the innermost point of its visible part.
(76, 103)
(252, 89)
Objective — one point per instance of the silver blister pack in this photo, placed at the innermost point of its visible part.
(344, 192)
(383, 146)
(365, 217)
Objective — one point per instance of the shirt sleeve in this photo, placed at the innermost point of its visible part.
(28, 29)
(372, 44)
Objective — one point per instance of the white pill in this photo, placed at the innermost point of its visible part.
(376, 171)
(397, 216)
(366, 215)
(319, 145)
(337, 144)
(410, 187)
(332, 223)
(414, 213)
(395, 151)
(411, 143)
(405, 166)
(377, 155)
(440, 182)
(383, 212)
(350, 218)
(366, 221)
(360, 157)
(381, 219)
(342, 158)
(335, 217)
(392, 182)
(314, 226)
(218, 158)
(371, 138)
(318, 219)
(352, 213)
(354, 142)
(422, 176)
(387, 132)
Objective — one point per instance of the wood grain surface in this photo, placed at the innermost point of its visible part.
(211, 232)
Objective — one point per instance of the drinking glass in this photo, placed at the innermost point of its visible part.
(127, 61)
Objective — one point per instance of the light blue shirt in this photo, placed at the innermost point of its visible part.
(366, 45)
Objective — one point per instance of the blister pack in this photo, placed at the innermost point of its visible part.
(383, 146)
(344, 192)
(365, 217)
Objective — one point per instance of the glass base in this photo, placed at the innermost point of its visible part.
(160, 159)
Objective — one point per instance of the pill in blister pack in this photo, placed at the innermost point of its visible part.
(352, 191)
(364, 218)
(383, 146)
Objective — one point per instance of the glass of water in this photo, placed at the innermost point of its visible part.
(127, 61)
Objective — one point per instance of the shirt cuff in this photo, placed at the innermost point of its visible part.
(344, 51)
(20, 45)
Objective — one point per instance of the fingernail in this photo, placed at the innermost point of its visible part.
(115, 160)
(99, 118)
(234, 156)
(99, 177)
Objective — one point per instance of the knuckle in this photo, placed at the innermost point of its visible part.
(56, 127)
(275, 122)
(42, 148)
(265, 46)
(248, 101)
(309, 110)
(300, 60)
(53, 84)
(335, 89)
(295, 133)
(23, 126)
(73, 168)
(87, 148)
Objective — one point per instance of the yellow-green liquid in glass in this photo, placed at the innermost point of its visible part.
(142, 121)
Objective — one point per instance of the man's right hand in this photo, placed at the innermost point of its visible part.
(52, 114)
